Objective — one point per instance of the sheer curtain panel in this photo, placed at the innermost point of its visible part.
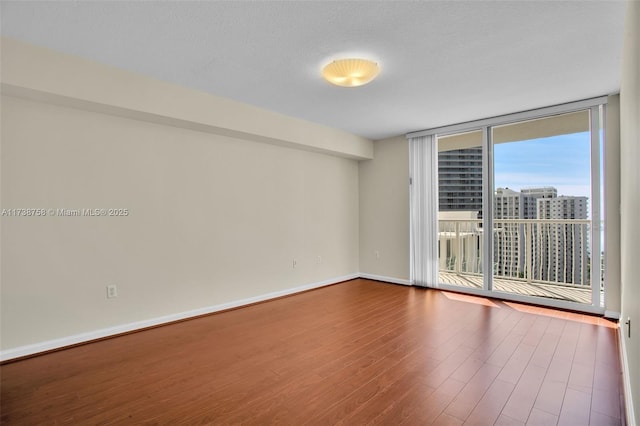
(423, 169)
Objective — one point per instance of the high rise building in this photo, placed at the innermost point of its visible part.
(563, 207)
(562, 247)
(531, 196)
(460, 180)
(508, 204)
(508, 246)
(545, 250)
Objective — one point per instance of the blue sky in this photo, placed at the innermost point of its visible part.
(563, 162)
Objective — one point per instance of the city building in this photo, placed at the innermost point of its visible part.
(508, 246)
(561, 249)
(543, 250)
(531, 195)
(460, 180)
(564, 207)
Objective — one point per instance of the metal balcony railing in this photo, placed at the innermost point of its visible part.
(529, 250)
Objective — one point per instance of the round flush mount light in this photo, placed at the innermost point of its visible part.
(351, 72)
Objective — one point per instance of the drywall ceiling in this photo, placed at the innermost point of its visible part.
(442, 62)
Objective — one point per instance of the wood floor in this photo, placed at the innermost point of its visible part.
(354, 353)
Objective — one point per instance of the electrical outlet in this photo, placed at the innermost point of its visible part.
(377, 253)
(295, 263)
(112, 291)
(319, 259)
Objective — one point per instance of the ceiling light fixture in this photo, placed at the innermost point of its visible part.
(351, 72)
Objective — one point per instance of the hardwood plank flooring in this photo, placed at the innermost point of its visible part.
(359, 352)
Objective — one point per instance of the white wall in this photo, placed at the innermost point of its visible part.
(213, 219)
(384, 211)
(42, 74)
(630, 197)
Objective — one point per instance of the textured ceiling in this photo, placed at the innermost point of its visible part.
(442, 62)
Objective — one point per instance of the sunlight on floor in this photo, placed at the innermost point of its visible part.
(571, 316)
(470, 299)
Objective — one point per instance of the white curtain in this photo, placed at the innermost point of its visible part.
(423, 169)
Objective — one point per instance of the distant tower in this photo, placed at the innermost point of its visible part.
(560, 247)
(460, 180)
(557, 248)
(531, 196)
(564, 207)
(508, 245)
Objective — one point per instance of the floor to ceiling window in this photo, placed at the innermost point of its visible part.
(519, 206)
(544, 189)
(460, 193)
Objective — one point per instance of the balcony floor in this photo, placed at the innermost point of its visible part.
(551, 291)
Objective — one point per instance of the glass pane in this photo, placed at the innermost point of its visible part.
(541, 208)
(460, 189)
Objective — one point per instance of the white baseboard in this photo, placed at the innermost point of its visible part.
(385, 279)
(612, 315)
(75, 339)
(626, 378)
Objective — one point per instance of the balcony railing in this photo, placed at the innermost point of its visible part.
(528, 252)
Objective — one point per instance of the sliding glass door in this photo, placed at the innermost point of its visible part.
(543, 193)
(519, 207)
(460, 194)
